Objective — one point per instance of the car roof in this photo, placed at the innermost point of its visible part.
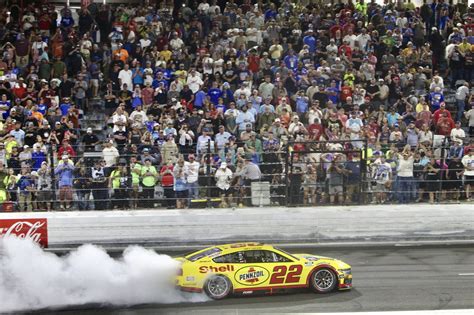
(248, 245)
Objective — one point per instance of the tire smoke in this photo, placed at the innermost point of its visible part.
(31, 278)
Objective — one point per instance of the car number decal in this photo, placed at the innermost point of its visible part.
(293, 274)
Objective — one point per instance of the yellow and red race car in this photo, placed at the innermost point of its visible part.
(247, 268)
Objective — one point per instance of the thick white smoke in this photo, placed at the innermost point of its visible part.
(31, 278)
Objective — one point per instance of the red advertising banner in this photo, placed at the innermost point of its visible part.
(35, 229)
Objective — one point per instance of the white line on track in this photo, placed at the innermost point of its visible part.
(466, 274)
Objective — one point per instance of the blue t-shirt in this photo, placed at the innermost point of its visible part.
(199, 98)
(311, 42)
(214, 94)
(64, 107)
(42, 108)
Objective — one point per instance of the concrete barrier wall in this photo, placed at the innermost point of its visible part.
(391, 223)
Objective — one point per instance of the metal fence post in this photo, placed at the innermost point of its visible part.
(208, 171)
(287, 182)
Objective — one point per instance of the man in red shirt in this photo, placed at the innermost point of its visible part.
(254, 62)
(444, 124)
(315, 130)
(439, 112)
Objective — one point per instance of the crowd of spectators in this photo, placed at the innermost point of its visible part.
(202, 99)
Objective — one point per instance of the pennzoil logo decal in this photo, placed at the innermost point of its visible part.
(251, 275)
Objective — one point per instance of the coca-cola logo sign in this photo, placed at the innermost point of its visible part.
(34, 229)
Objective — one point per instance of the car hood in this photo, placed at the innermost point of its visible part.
(322, 259)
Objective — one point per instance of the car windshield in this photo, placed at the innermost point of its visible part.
(205, 253)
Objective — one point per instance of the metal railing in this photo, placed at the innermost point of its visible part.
(298, 174)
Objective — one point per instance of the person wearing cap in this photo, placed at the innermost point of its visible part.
(90, 140)
(224, 177)
(64, 172)
(18, 133)
(250, 172)
(26, 187)
(66, 148)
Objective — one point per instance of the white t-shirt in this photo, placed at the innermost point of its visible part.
(457, 134)
(191, 171)
(126, 78)
(468, 162)
(223, 178)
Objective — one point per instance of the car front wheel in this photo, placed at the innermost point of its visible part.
(218, 287)
(323, 280)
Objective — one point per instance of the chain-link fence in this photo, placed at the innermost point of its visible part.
(293, 174)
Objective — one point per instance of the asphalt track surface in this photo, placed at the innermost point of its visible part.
(385, 279)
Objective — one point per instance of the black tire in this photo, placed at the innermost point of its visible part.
(218, 287)
(323, 280)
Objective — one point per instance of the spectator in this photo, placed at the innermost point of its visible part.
(382, 174)
(110, 154)
(432, 171)
(100, 191)
(179, 186)
(26, 186)
(250, 172)
(119, 181)
(223, 178)
(336, 173)
(65, 173)
(82, 186)
(468, 162)
(167, 182)
(44, 196)
(190, 171)
(149, 177)
(405, 176)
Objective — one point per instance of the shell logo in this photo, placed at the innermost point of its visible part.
(251, 275)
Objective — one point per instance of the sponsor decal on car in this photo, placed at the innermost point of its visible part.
(206, 269)
(251, 275)
(311, 258)
(34, 229)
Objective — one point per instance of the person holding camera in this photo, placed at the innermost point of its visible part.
(149, 177)
(65, 173)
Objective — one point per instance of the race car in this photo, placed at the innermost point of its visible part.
(247, 268)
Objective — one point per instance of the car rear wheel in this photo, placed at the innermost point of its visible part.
(218, 287)
(323, 280)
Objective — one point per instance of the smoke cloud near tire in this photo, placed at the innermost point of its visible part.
(31, 278)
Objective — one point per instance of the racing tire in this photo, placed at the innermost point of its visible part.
(323, 280)
(218, 287)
